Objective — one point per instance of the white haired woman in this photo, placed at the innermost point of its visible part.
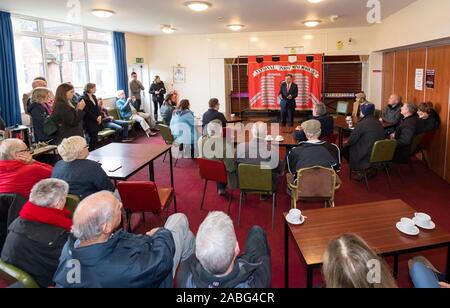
(85, 177)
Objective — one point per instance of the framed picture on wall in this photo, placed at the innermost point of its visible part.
(179, 74)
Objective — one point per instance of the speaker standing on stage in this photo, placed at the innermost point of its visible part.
(288, 93)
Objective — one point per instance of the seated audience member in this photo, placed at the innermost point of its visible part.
(19, 172)
(38, 82)
(409, 127)
(36, 239)
(215, 147)
(119, 126)
(429, 117)
(260, 152)
(326, 120)
(358, 148)
(361, 99)
(217, 264)
(313, 152)
(112, 258)
(393, 113)
(39, 111)
(346, 265)
(167, 108)
(425, 276)
(85, 177)
(128, 112)
(2, 123)
(213, 113)
(183, 126)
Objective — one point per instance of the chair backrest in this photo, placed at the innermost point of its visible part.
(342, 107)
(416, 143)
(356, 107)
(255, 178)
(212, 170)
(427, 140)
(72, 202)
(383, 151)
(378, 113)
(166, 133)
(316, 183)
(139, 196)
(331, 138)
(24, 278)
(10, 207)
(114, 112)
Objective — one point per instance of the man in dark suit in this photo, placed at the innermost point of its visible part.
(288, 93)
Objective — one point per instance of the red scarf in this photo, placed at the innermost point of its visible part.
(49, 216)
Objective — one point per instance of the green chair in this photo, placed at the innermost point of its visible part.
(342, 108)
(378, 113)
(166, 133)
(255, 180)
(72, 202)
(19, 275)
(106, 133)
(114, 112)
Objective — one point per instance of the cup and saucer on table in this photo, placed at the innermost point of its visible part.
(408, 226)
(269, 138)
(424, 221)
(295, 217)
(279, 138)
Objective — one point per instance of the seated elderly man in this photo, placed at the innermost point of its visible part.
(359, 147)
(98, 256)
(19, 172)
(259, 152)
(326, 120)
(84, 176)
(313, 152)
(36, 239)
(392, 113)
(217, 262)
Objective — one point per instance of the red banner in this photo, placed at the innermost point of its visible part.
(266, 77)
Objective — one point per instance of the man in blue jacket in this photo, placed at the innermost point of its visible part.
(96, 256)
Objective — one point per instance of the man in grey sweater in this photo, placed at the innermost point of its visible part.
(135, 88)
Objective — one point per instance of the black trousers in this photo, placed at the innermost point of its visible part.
(93, 140)
(156, 106)
(287, 113)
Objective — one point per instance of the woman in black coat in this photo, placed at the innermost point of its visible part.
(68, 118)
(92, 115)
(39, 112)
(157, 90)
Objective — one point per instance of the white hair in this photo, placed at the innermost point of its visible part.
(216, 243)
(259, 130)
(9, 148)
(120, 92)
(49, 192)
(214, 129)
(71, 148)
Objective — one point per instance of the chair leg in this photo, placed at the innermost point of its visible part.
(386, 168)
(424, 158)
(128, 216)
(274, 202)
(176, 160)
(230, 201)
(366, 180)
(175, 203)
(204, 192)
(240, 205)
(165, 155)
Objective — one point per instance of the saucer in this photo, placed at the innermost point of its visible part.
(431, 225)
(413, 233)
(279, 140)
(269, 139)
(297, 223)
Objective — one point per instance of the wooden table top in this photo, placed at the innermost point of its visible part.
(44, 150)
(341, 122)
(120, 161)
(286, 132)
(231, 119)
(374, 222)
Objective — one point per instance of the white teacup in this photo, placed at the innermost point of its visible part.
(279, 138)
(423, 219)
(269, 137)
(233, 115)
(295, 215)
(407, 224)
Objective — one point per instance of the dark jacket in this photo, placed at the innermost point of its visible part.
(293, 91)
(327, 125)
(91, 113)
(69, 119)
(393, 114)
(432, 123)
(309, 154)
(124, 261)
(155, 87)
(212, 115)
(10, 206)
(38, 115)
(35, 248)
(405, 133)
(368, 131)
(166, 112)
(85, 177)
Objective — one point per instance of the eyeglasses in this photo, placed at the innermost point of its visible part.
(25, 151)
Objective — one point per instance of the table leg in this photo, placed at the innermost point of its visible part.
(151, 168)
(341, 138)
(310, 276)
(171, 169)
(286, 255)
(395, 266)
(448, 264)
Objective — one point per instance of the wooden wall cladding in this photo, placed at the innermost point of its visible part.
(342, 78)
(401, 74)
(388, 76)
(416, 60)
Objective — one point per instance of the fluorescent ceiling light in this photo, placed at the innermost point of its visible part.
(235, 27)
(312, 23)
(198, 6)
(102, 13)
(168, 29)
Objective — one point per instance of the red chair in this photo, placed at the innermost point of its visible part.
(331, 138)
(145, 197)
(213, 170)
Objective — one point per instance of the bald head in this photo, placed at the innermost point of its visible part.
(97, 217)
(38, 83)
(394, 99)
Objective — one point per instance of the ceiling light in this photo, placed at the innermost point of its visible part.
(102, 13)
(312, 23)
(168, 29)
(235, 27)
(315, 1)
(198, 6)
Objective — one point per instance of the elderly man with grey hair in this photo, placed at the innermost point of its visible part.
(217, 262)
(326, 120)
(100, 255)
(37, 237)
(19, 172)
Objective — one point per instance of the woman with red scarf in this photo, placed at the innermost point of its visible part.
(36, 238)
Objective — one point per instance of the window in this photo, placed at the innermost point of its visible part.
(63, 53)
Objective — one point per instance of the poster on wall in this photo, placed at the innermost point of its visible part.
(419, 79)
(431, 74)
(266, 77)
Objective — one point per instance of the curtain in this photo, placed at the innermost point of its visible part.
(9, 98)
(120, 55)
